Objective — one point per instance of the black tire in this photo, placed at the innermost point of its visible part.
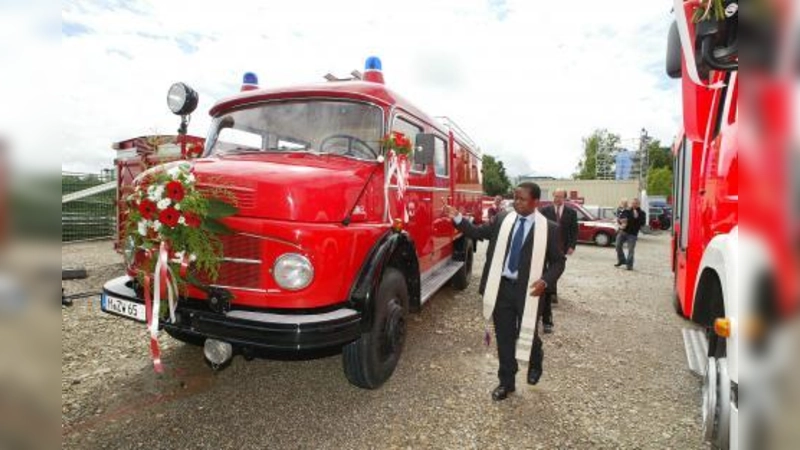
(370, 361)
(186, 338)
(461, 279)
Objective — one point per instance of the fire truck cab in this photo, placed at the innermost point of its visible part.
(332, 246)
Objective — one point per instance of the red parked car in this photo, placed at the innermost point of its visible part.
(602, 232)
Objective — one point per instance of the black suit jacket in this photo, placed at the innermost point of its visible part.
(553, 260)
(568, 227)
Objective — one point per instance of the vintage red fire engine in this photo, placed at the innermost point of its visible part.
(334, 243)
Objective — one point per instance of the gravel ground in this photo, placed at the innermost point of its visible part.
(614, 377)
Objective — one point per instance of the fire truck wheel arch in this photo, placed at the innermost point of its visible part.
(719, 279)
(392, 250)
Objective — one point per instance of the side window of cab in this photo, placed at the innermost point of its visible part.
(401, 125)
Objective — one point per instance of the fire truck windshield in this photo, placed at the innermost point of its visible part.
(317, 126)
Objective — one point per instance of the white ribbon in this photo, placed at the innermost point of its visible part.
(397, 168)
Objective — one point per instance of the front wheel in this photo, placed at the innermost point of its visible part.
(716, 394)
(602, 239)
(370, 361)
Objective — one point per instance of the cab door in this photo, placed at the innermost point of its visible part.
(418, 196)
(443, 228)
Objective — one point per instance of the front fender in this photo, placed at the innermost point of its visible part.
(393, 249)
(721, 258)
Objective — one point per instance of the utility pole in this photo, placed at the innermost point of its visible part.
(644, 158)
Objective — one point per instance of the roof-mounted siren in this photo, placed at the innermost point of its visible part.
(373, 70)
(249, 81)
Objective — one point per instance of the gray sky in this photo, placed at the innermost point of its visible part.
(526, 79)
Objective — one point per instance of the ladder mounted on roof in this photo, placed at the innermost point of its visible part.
(458, 131)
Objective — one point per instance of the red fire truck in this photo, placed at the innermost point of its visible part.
(733, 304)
(323, 254)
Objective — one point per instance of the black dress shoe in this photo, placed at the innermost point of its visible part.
(534, 375)
(548, 328)
(501, 392)
(618, 264)
(554, 300)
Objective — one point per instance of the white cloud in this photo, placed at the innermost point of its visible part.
(526, 79)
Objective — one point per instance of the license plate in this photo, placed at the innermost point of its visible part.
(124, 308)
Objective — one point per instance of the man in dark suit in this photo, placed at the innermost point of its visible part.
(516, 277)
(567, 220)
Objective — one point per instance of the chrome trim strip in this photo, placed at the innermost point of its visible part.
(437, 189)
(293, 319)
(242, 260)
(262, 291)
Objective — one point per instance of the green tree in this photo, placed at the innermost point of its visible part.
(659, 181)
(495, 179)
(659, 155)
(587, 167)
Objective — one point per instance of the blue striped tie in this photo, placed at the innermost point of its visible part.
(516, 246)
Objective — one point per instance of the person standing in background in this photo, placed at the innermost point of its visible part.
(495, 209)
(631, 221)
(567, 220)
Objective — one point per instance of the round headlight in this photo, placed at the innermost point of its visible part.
(181, 99)
(292, 271)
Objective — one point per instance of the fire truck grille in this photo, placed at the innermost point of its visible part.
(241, 265)
(243, 197)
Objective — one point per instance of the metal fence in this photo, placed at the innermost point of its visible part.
(88, 206)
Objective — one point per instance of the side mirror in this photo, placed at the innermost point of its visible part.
(674, 52)
(423, 149)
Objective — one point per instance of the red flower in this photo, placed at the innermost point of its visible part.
(169, 217)
(192, 220)
(175, 191)
(147, 209)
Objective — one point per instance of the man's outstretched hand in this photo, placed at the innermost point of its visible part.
(449, 210)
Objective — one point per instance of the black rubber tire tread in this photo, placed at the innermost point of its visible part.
(461, 279)
(359, 358)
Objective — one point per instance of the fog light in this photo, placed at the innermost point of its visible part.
(217, 352)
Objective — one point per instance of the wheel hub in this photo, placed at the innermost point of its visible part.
(395, 330)
(716, 402)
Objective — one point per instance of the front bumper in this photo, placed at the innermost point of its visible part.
(269, 331)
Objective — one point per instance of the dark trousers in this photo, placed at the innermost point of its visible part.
(631, 239)
(507, 320)
(547, 303)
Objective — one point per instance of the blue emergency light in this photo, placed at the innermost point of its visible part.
(373, 70)
(249, 81)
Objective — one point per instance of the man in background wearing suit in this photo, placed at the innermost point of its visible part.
(567, 220)
(516, 279)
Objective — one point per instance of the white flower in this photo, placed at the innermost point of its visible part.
(178, 207)
(163, 203)
(190, 178)
(142, 227)
(192, 257)
(157, 225)
(178, 257)
(174, 172)
(181, 220)
(380, 158)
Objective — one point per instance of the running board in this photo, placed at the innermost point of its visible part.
(696, 346)
(438, 278)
